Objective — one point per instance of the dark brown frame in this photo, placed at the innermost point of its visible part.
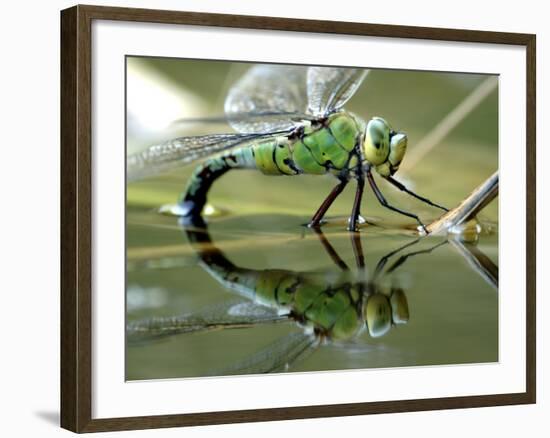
(76, 226)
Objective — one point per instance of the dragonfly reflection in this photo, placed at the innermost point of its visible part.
(327, 307)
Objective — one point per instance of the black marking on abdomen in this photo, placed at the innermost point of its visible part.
(231, 157)
(276, 292)
(274, 158)
(290, 163)
(192, 204)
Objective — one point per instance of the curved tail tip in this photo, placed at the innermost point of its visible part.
(192, 221)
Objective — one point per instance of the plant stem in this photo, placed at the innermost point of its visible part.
(468, 208)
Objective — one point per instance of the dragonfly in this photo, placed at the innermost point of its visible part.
(289, 120)
(329, 309)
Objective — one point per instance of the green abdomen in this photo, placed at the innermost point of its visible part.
(320, 149)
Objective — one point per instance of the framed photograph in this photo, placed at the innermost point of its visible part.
(267, 218)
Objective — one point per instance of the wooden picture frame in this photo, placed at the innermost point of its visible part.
(76, 217)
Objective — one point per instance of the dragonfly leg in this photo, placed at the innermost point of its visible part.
(358, 250)
(355, 212)
(385, 203)
(382, 262)
(331, 251)
(402, 187)
(318, 216)
(404, 257)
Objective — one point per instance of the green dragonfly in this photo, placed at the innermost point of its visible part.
(330, 309)
(290, 120)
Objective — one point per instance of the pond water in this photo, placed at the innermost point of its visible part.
(218, 307)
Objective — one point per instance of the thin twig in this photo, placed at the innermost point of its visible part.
(482, 264)
(468, 208)
(449, 122)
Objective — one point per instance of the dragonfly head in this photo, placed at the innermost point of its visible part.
(383, 312)
(383, 147)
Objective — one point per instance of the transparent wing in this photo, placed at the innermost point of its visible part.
(231, 314)
(278, 356)
(329, 88)
(268, 100)
(275, 90)
(265, 117)
(184, 150)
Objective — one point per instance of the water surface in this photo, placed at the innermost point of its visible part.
(453, 310)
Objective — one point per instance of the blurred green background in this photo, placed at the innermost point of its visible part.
(454, 312)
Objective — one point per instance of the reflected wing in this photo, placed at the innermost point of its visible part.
(184, 150)
(329, 88)
(232, 314)
(277, 91)
(278, 356)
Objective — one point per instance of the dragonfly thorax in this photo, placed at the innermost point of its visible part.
(382, 147)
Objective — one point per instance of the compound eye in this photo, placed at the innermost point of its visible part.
(398, 147)
(377, 141)
(378, 315)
